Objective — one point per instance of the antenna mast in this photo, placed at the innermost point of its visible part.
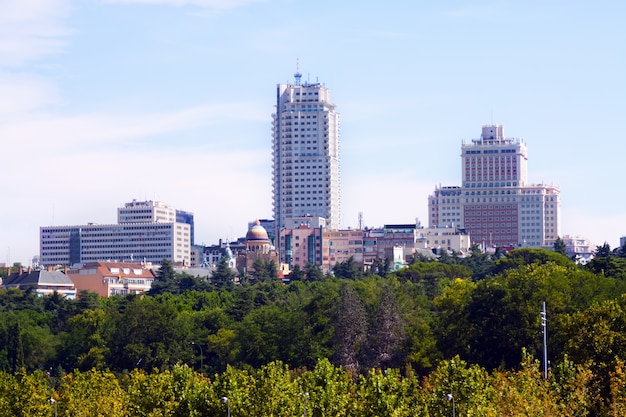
(297, 75)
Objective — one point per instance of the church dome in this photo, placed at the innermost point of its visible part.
(257, 233)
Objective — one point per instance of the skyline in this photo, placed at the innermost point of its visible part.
(103, 102)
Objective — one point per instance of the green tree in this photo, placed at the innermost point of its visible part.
(603, 251)
(148, 333)
(479, 262)
(331, 391)
(83, 345)
(223, 276)
(165, 280)
(313, 272)
(596, 337)
(349, 269)
(92, 393)
(297, 274)
(559, 246)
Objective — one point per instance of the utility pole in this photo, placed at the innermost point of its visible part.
(544, 326)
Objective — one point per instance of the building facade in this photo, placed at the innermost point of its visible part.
(41, 281)
(495, 204)
(146, 232)
(305, 154)
(301, 246)
(110, 278)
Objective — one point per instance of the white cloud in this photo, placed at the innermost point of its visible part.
(31, 29)
(47, 132)
(23, 93)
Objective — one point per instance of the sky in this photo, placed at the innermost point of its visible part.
(106, 101)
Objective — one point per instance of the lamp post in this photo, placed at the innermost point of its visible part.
(201, 356)
(449, 397)
(544, 328)
(305, 395)
(225, 401)
(53, 401)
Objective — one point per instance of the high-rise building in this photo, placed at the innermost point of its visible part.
(495, 203)
(305, 154)
(146, 231)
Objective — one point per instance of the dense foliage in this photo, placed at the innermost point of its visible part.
(463, 326)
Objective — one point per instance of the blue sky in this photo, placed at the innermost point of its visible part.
(102, 102)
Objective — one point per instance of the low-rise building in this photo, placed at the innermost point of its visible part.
(42, 281)
(110, 278)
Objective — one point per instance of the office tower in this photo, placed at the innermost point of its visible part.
(495, 204)
(146, 231)
(305, 154)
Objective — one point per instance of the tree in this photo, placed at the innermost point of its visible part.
(350, 269)
(350, 323)
(223, 276)
(264, 270)
(479, 262)
(297, 274)
(386, 332)
(165, 280)
(596, 337)
(603, 251)
(313, 272)
(559, 246)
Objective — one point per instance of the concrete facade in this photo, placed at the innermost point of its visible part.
(495, 203)
(305, 154)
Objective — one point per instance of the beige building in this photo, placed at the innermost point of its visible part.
(339, 246)
(495, 203)
(305, 154)
(110, 278)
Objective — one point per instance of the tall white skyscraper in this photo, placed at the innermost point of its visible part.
(305, 154)
(495, 202)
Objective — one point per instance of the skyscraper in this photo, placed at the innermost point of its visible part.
(495, 203)
(305, 154)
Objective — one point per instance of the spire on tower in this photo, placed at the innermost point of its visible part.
(297, 75)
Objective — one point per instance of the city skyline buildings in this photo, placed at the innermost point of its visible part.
(174, 105)
(305, 154)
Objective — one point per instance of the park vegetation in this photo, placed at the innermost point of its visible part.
(457, 332)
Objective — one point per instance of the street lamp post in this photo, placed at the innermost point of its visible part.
(305, 395)
(225, 401)
(201, 355)
(449, 397)
(53, 401)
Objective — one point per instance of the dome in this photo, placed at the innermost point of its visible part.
(257, 233)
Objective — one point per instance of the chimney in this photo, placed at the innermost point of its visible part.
(49, 268)
(30, 270)
(66, 270)
(21, 270)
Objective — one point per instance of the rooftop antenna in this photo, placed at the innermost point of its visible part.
(360, 220)
(297, 75)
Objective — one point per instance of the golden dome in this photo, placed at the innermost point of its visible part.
(257, 233)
